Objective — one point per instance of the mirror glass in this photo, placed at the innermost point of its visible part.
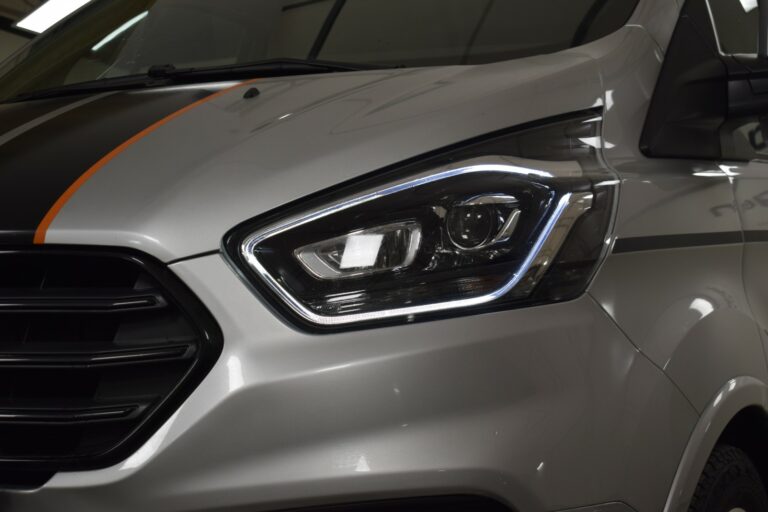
(737, 24)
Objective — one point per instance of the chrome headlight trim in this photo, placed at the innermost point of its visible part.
(569, 209)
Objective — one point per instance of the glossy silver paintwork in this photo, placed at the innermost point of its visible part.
(675, 305)
(751, 186)
(312, 132)
(691, 313)
(450, 406)
(616, 397)
(658, 18)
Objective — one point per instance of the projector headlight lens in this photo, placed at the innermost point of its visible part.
(513, 220)
(481, 221)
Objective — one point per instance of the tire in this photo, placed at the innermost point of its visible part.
(730, 483)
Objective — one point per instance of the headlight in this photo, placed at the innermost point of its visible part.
(513, 219)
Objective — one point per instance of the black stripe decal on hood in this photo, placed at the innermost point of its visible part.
(42, 229)
(39, 165)
(14, 115)
(48, 116)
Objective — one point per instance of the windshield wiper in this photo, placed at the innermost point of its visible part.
(167, 74)
(91, 86)
(268, 67)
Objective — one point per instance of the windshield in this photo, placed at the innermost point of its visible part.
(108, 39)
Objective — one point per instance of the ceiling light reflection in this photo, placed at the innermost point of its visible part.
(150, 447)
(122, 28)
(50, 13)
(748, 5)
(703, 307)
(235, 369)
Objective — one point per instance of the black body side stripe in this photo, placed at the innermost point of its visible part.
(756, 236)
(655, 243)
(39, 165)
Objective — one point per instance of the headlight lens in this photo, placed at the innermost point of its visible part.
(511, 220)
(482, 221)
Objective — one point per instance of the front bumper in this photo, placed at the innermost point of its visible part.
(545, 409)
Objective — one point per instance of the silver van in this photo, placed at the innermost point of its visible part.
(386, 256)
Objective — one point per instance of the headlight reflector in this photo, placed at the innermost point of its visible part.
(362, 253)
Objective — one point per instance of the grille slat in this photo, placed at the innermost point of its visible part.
(69, 416)
(143, 355)
(79, 301)
(98, 347)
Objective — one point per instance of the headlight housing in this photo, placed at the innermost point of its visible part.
(511, 219)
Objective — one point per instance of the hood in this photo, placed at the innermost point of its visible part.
(170, 171)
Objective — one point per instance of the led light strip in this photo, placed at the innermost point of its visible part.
(569, 209)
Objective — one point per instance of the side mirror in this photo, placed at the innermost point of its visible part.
(704, 99)
(748, 75)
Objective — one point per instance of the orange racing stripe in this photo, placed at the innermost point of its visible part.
(42, 229)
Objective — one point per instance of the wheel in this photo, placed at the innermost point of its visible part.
(730, 483)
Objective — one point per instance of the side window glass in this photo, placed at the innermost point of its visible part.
(737, 25)
(448, 32)
(298, 27)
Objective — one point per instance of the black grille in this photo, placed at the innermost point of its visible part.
(428, 504)
(97, 349)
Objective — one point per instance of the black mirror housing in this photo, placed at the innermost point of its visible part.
(762, 46)
(702, 94)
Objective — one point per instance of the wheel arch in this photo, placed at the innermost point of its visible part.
(737, 404)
